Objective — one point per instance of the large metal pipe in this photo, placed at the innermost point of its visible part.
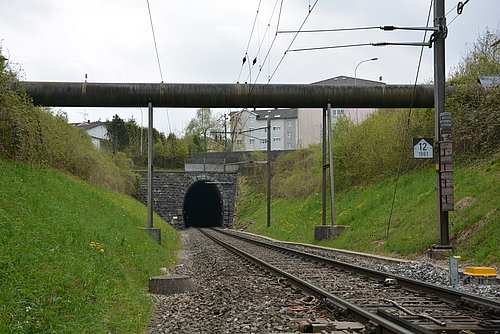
(82, 94)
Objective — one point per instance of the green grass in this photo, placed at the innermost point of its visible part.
(413, 227)
(72, 259)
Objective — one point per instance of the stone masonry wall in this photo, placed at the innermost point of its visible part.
(169, 191)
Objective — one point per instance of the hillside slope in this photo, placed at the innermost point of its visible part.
(474, 225)
(72, 259)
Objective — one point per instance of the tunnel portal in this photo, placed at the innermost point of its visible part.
(202, 206)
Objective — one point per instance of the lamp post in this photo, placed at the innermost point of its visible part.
(356, 77)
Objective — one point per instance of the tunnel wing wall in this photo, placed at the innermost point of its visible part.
(169, 191)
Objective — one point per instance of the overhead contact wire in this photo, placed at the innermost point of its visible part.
(408, 121)
(245, 57)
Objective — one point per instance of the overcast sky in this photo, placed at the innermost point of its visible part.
(204, 41)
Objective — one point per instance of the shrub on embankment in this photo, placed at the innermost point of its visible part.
(72, 259)
(42, 137)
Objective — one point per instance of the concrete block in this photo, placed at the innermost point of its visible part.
(322, 232)
(155, 233)
(170, 284)
(440, 252)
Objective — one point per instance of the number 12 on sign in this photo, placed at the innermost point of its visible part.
(422, 148)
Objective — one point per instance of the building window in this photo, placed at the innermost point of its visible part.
(276, 128)
(238, 141)
(289, 134)
(251, 118)
(338, 112)
(252, 141)
(276, 139)
(289, 146)
(289, 122)
(263, 130)
(263, 141)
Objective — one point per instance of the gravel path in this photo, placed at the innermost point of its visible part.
(232, 296)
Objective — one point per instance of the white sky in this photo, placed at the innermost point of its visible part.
(204, 41)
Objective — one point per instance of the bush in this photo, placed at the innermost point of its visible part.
(42, 137)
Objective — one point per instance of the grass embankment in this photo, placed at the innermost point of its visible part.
(474, 225)
(72, 259)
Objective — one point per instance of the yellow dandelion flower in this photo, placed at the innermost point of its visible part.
(102, 250)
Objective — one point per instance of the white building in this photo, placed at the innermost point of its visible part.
(250, 128)
(292, 128)
(97, 131)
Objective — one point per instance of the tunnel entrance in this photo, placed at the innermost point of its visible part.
(202, 206)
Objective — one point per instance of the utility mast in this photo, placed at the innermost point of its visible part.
(443, 137)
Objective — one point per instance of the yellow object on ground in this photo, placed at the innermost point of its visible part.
(480, 271)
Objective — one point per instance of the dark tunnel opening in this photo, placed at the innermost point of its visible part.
(202, 206)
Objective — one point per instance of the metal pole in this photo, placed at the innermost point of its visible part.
(439, 107)
(323, 184)
(150, 165)
(268, 171)
(330, 153)
(141, 134)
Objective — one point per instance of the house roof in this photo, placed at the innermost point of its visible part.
(342, 80)
(489, 80)
(276, 113)
(88, 125)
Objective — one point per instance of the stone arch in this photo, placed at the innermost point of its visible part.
(170, 190)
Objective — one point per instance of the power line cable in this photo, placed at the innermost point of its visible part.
(407, 129)
(311, 8)
(460, 7)
(263, 38)
(158, 59)
(154, 40)
(328, 30)
(245, 57)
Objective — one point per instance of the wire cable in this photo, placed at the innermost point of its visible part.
(328, 30)
(407, 129)
(245, 57)
(265, 32)
(154, 40)
(460, 7)
(311, 8)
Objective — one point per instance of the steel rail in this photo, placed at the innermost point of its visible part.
(87, 94)
(447, 294)
(365, 317)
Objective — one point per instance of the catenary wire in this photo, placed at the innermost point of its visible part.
(407, 129)
(265, 32)
(245, 57)
(158, 59)
(328, 30)
(289, 46)
(268, 52)
(154, 40)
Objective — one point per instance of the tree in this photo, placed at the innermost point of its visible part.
(118, 134)
(203, 124)
(175, 152)
(482, 58)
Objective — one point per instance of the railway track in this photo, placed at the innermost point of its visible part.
(384, 302)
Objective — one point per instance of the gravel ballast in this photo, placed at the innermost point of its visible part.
(231, 296)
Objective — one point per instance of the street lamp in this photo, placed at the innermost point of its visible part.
(361, 62)
(356, 77)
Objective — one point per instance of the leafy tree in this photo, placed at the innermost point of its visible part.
(476, 109)
(175, 152)
(482, 58)
(118, 135)
(203, 124)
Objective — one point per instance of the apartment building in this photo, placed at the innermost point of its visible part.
(292, 128)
